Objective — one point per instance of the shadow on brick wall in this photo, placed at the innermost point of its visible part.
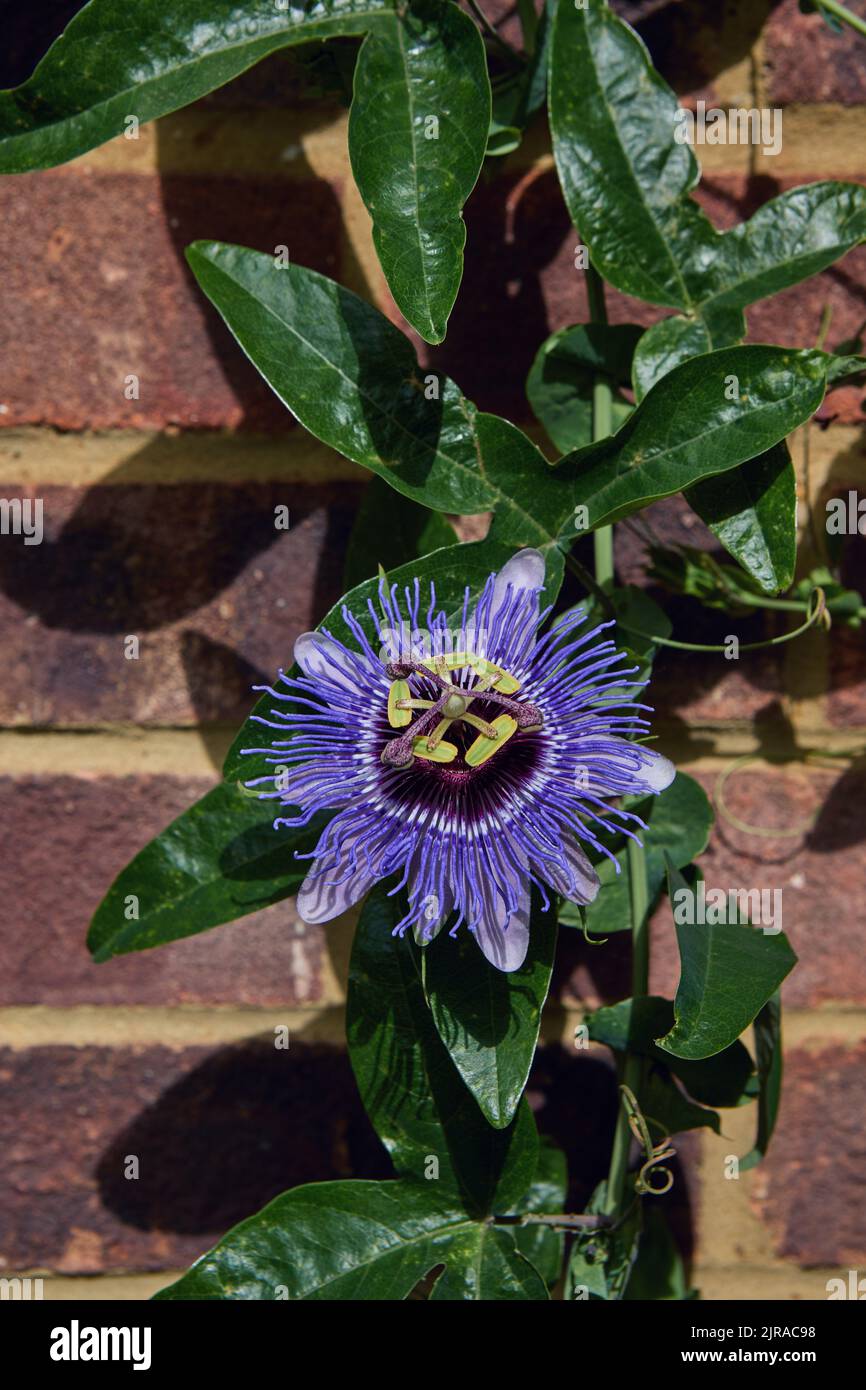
(251, 1122)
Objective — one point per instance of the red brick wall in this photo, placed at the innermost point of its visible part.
(158, 517)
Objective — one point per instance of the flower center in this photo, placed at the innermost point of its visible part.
(425, 737)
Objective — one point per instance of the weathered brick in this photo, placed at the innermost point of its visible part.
(806, 62)
(217, 1135)
(97, 288)
(215, 593)
(811, 1189)
(66, 839)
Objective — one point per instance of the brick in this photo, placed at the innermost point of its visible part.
(97, 288)
(820, 873)
(66, 839)
(218, 1134)
(846, 697)
(806, 62)
(811, 1190)
(198, 572)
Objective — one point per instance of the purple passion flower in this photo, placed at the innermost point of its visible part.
(469, 763)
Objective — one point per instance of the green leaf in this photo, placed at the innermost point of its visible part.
(417, 138)
(624, 178)
(728, 973)
(664, 346)
(542, 1245)
(489, 1020)
(752, 510)
(218, 861)
(420, 59)
(678, 822)
(411, 1089)
(658, 1272)
(365, 1241)
(600, 1261)
(686, 428)
(148, 59)
(353, 380)
(768, 1047)
(391, 530)
(627, 181)
(724, 1080)
(485, 1262)
(670, 1111)
(377, 1240)
(567, 365)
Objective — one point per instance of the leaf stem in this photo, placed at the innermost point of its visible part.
(632, 1071)
(840, 12)
(602, 426)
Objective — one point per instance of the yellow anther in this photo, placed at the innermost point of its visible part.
(500, 679)
(484, 747)
(398, 717)
(441, 753)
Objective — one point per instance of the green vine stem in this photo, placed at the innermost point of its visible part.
(839, 12)
(616, 1194)
(817, 607)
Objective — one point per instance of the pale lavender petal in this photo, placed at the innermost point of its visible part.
(504, 939)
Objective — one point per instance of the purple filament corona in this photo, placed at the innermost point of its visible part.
(465, 842)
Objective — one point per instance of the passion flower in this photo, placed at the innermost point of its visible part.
(466, 765)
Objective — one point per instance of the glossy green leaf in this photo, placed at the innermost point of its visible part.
(726, 1079)
(391, 530)
(377, 1240)
(411, 1089)
(664, 346)
(560, 382)
(686, 428)
(667, 1110)
(141, 57)
(678, 823)
(752, 510)
(486, 1263)
(218, 861)
(728, 973)
(628, 179)
(353, 380)
(417, 130)
(417, 138)
(365, 1241)
(770, 1060)
(488, 1019)
(624, 178)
